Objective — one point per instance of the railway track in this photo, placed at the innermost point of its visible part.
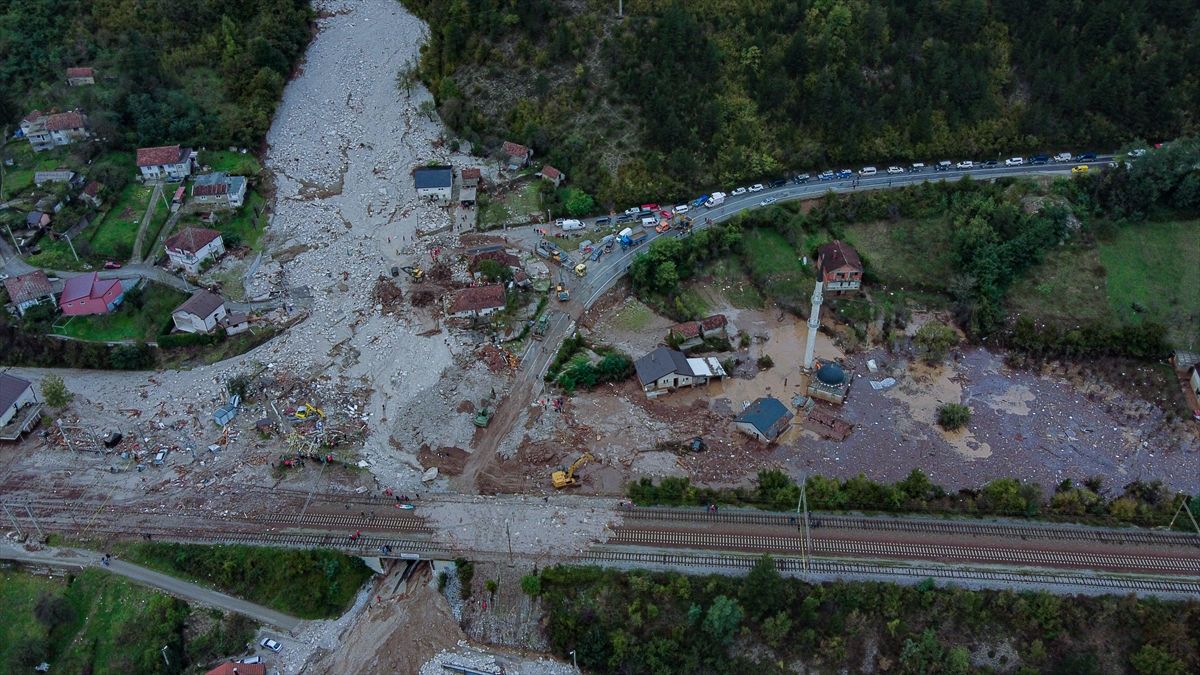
(1006, 555)
(842, 569)
(923, 526)
(316, 520)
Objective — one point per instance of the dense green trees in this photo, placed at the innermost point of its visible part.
(684, 96)
(208, 72)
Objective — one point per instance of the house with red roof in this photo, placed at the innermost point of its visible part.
(89, 294)
(167, 162)
(230, 668)
(517, 156)
(693, 333)
(79, 77)
(191, 246)
(552, 174)
(476, 302)
(30, 289)
(470, 176)
(839, 267)
(53, 129)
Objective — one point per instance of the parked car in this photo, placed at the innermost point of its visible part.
(271, 644)
(757, 187)
(845, 173)
(632, 211)
(1062, 157)
(778, 182)
(965, 164)
(825, 175)
(250, 660)
(1082, 168)
(868, 171)
(1137, 152)
(1086, 157)
(650, 207)
(1038, 160)
(917, 167)
(738, 191)
(682, 208)
(801, 179)
(605, 220)
(110, 265)
(895, 170)
(625, 217)
(944, 165)
(768, 201)
(665, 213)
(1014, 161)
(990, 164)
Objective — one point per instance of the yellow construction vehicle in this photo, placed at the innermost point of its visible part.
(305, 411)
(581, 270)
(562, 479)
(415, 272)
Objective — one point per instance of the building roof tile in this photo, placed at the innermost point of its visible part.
(836, 255)
(191, 239)
(201, 304)
(477, 298)
(166, 154)
(26, 287)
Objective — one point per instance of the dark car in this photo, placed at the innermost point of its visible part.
(1085, 157)
(603, 221)
(990, 164)
(624, 217)
(778, 182)
(645, 214)
(801, 179)
(1038, 160)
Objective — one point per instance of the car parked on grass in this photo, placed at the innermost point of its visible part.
(738, 191)
(757, 187)
(271, 644)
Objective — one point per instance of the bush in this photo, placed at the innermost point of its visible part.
(765, 362)
(55, 391)
(953, 416)
(131, 357)
(532, 585)
(466, 573)
(935, 339)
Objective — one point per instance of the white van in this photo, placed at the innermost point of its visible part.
(649, 222)
(868, 171)
(571, 224)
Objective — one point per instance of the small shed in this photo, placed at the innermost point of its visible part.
(225, 414)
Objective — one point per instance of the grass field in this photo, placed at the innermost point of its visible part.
(633, 317)
(516, 204)
(138, 318)
(56, 255)
(776, 268)
(730, 281)
(242, 224)
(1067, 288)
(311, 584)
(1153, 274)
(908, 254)
(114, 235)
(102, 624)
(232, 163)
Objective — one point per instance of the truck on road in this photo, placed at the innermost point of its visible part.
(633, 239)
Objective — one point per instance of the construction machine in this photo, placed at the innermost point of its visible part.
(416, 273)
(305, 411)
(581, 270)
(483, 418)
(562, 479)
(563, 294)
(539, 327)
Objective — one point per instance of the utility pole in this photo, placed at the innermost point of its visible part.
(72, 246)
(508, 531)
(12, 518)
(802, 508)
(1183, 506)
(620, 15)
(14, 239)
(164, 655)
(35, 522)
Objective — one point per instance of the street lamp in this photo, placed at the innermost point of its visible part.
(573, 661)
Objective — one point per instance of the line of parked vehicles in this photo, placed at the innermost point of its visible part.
(651, 215)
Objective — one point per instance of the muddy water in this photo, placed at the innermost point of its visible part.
(928, 388)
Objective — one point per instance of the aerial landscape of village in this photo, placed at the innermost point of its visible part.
(548, 336)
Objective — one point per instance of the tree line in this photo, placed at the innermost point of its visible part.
(1141, 503)
(686, 96)
(208, 72)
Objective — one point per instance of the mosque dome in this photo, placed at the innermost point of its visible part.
(831, 374)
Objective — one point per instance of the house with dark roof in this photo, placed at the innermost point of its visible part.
(200, 313)
(765, 419)
(839, 267)
(89, 294)
(91, 193)
(49, 130)
(19, 407)
(552, 174)
(35, 220)
(167, 162)
(435, 183)
(28, 290)
(665, 369)
(79, 77)
(477, 302)
(516, 156)
(219, 191)
(191, 246)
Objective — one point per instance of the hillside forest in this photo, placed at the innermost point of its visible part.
(207, 72)
(680, 97)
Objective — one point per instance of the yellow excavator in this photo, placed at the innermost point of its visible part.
(306, 411)
(562, 479)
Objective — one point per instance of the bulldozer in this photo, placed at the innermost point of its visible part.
(416, 273)
(563, 294)
(562, 479)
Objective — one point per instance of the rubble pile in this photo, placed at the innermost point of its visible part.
(467, 656)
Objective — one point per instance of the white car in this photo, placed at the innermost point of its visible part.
(1137, 152)
(3, 276)
(738, 191)
(965, 164)
(868, 171)
(1063, 157)
(768, 201)
(271, 644)
(895, 169)
(757, 187)
(1014, 161)
(682, 208)
(633, 210)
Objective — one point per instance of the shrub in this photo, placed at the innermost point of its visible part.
(935, 339)
(765, 362)
(953, 416)
(532, 585)
(55, 391)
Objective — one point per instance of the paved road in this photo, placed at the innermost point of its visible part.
(73, 558)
